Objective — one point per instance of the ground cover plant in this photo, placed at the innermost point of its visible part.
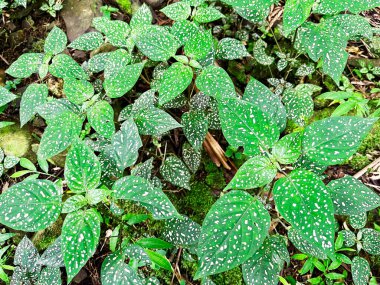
(133, 120)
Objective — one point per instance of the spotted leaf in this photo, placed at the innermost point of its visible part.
(234, 228)
(371, 241)
(6, 96)
(52, 256)
(142, 17)
(74, 203)
(116, 271)
(34, 96)
(26, 258)
(199, 45)
(244, 124)
(175, 80)
(30, 205)
(176, 172)
(50, 276)
(77, 91)
(229, 48)
(258, 171)
(256, 11)
(191, 157)
(182, 232)
(100, 116)
(361, 271)
(184, 30)
(303, 200)
(141, 191)
(354, 6)
(260, 54)
(333, 140)
(25, 65)
(288, 149)
(352, 197)
(195, 127)
(264, 267)
(10, 161)
(207, 15)
(155, 122)
(296, 13)
(116, 31)
(80, 238)
(55, 42)
(349, 238)
(87, 42)
(177, 11)
(358, 221)
(63, 66)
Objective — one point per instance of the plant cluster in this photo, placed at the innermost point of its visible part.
(184, 57)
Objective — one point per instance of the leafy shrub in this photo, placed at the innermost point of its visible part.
(236, 229)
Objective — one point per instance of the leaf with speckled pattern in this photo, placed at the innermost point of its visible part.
(259, 53)
(234, 228)
(214, 81)
(174, 81)
(157, 43)
(155, 122)
(352, 197)
(229, 48)
(6, 96)
(74, 203)
(256, 172)
(195, 127)
(10, 161)
(207, 15)
(244, 124)
(116, 31)
(177, 11)
(264, 267)
(87, 42)
(116, 85)
(50, 276)
(59, 134)
(80, 238)
(142, 17)
(288, 149)
(371, 241)
(141, 191)
(361, 271)
(184, 30)
(191, 157)
(100, 116)
(82, 168)
(34, 96)
(25, 65)
(304, 246)
(358, 221)
(55, 42)
(184, 232)
(303, 200)
(63, 66)
(77, 91)
(52, 256)
(30, 205)
(256, 11)
(296, 13)
(176, 172)
(333, 140)
(354, 6)
(26, 257)
(116, 271)
(199, 45)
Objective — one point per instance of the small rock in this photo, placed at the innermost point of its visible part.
(82, 275)
(78, 15)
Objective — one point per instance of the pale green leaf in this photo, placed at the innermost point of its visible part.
(176, 172)
(229, 48)
(55, 42)
(288, 149)
(142, 17)
(25, 65)
(207, 15)
(296, 13)
(34, 96)
(116, 31)
(155, 122)
(87, 42)
(177, 11)
(195, 127)
(6, 96)
(199, 45)
(100, 116)
(77, 91)
(63, 66)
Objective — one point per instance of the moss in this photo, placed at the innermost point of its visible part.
(125, 6)
(43, 239)
(232, 277)
(322, 114)
(15, 141)
(372, 140)
(237, 70)
(358, 161)
(215, 178)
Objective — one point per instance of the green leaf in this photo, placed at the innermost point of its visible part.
(95, 196)
(159, 259)
(194, 3)
(142, 17)
(74, 203)
(244, 124)
(288, 149)
(55, 42)
(98, 62)
(34, 96)
(184, 30)
(25, 65)
(258, 171)
(26, 163)
(260, 54)
(30, 205)
(116, 85)
(195, 127)
(50, 276)
(182, 232)
(116, 62)
(57, 107)
(296, 13)
(176, 172)
(26, 257)
(199, 45)
(229, 48)
(354, 6)
(352, 197)
(80, 238)
(207, 15)
(175, 81)
(371, 241)
(348, 238)
(126, 144)
(100, 116)
(154, 243)
(303, 200)
(115, 31)
(177, 11)
(144, 169)
(77, 91)
(155, 122)
(10, 161)
(52, 256)
(361, 271)
(256, 11)
(304, 246)
(215, 82)
(191, 157)
(258, 94)
(333, 140)
(264, 267)
(82, 168)
(140, 190)
(234, 228)
(157, 43)
(358, 221)
(63, 66)
(59, 134)
(6, 96)
(87, 42)
(116, 271)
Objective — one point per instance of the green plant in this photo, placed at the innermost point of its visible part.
(52, 7)
(4, 257)
(184, 59)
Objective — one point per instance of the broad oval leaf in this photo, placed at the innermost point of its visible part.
(88, 41)
(371, 241)
(256, 172)
(207, 15)
(199, 45)
(6, 96)
(177, 11)
(55, 42)
(80, 238)
(176, 172)
(182, 232)
(288, 149)
(229, 48)
(296, 13)
(142, 17)
(361, 271)
(30, 205)
(63, 66)
(34, 96)
(305, 246)
(25, 65)
(100, 116)
(234, 228)
(77, 91)
(303, 200)
(50, 276)
(74, 203)
(195, 127)
(52, 256)
(155, 122)
(140, 190)
(244, 124)
(333, 140)
(116, 31)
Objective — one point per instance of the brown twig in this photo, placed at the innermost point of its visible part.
(365, 169)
